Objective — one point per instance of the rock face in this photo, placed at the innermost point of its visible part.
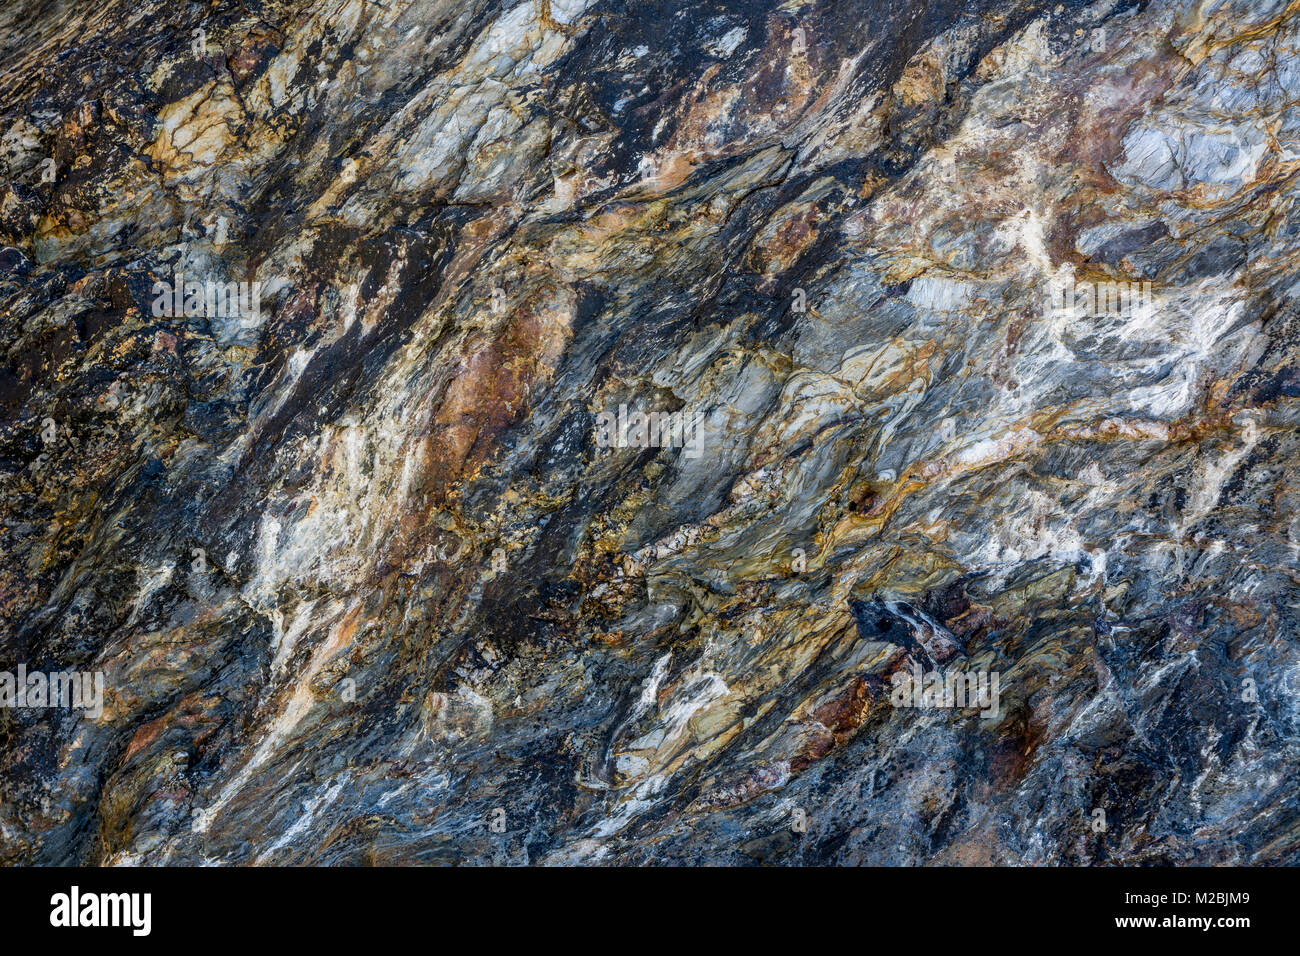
(333, 331)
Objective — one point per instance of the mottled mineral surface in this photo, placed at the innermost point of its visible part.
(618, 431)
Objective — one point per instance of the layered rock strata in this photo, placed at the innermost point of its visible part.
(588, 431)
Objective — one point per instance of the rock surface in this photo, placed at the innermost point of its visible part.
(365, 587)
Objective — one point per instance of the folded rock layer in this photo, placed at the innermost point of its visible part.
(578, 431)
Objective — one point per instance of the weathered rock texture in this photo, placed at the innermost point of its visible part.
(364, 587)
